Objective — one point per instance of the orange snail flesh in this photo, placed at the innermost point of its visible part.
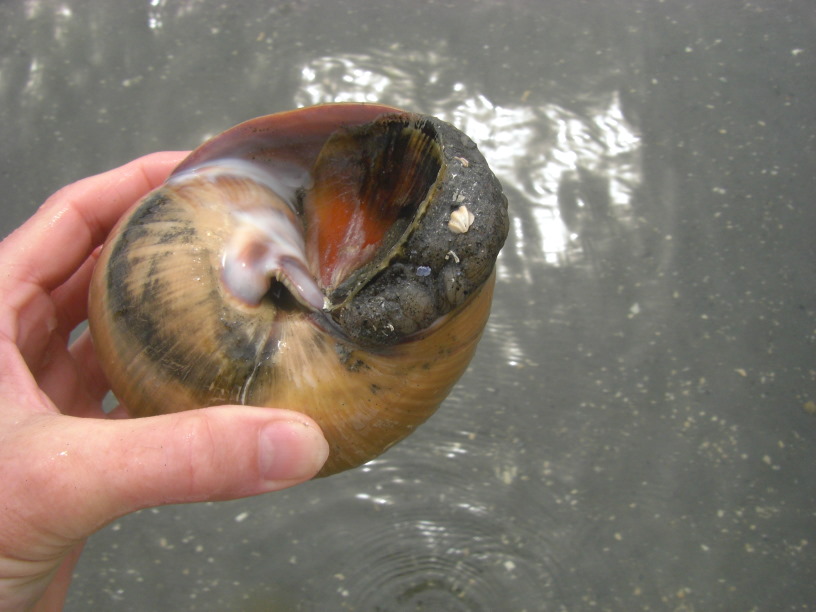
(317, 260)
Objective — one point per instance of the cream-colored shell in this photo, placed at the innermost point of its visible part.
(460, 220)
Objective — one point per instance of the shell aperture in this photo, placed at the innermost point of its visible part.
(302, 260)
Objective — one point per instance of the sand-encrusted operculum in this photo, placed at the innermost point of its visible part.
(434, 270)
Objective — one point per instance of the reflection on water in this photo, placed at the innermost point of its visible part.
(573, 174)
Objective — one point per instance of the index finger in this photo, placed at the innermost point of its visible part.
(54, 242)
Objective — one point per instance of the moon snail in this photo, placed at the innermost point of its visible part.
(337, 260)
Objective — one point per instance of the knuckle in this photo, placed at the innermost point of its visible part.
(199, 460)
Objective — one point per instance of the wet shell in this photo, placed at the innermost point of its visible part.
(301, 260)
(460, 220)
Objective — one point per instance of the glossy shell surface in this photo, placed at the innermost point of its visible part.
(306, 260)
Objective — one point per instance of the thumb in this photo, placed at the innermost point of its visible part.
(86, 472)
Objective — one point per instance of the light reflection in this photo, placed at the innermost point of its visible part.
(576, 171)
(159, 12)
(512, 352)
(33, 8)
(60, 16)
(343, 79)
(377, 500)
(154, 14)
(33, 86)
(63, 15)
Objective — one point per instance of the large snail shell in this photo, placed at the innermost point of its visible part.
(317, 260)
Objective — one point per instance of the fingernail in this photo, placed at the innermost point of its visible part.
(290, 450)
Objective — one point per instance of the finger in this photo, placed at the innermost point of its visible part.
(57, 589)
(51, 245)
(94, 380)
(18, 385)
(72, 377)
(71, 298)
(102, 469)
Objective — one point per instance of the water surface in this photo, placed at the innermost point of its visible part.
(637, 431)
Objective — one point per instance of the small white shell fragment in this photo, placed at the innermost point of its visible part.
(460, 220)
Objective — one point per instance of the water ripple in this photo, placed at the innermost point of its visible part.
(446, 550)
(576, 172)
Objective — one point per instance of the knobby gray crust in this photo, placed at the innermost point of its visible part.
(437, 269)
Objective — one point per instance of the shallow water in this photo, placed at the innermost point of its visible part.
(637, 430)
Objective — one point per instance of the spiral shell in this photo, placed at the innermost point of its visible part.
(301, 260)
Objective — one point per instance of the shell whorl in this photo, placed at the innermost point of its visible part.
(232, 284)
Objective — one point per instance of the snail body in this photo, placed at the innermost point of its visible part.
(304, 260)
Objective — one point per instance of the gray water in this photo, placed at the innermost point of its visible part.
(637, 430)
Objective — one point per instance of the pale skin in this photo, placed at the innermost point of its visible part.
(66, 467)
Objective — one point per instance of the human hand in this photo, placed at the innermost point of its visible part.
(66, 468)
